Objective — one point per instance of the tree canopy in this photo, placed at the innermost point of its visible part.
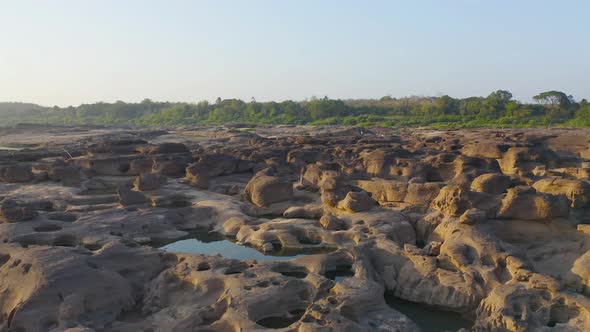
(498, 109)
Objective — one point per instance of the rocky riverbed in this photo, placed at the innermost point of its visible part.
(294, 229)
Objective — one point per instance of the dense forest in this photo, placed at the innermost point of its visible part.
(499, 109)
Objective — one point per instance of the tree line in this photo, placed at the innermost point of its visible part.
(498, 109)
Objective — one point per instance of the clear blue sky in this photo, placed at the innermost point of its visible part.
(69, 52)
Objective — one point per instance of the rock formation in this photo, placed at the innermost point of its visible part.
(487, 224)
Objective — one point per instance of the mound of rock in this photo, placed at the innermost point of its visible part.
(16, 174)
(526, 203)
(264, 190)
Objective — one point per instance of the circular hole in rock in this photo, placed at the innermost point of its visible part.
(339, 272)
(47, 228)
(63, 216)
(65, 240)
(92, 246)
(4, 258)
(289, 270)
(203, 266)
(309, 241)
(283, 321)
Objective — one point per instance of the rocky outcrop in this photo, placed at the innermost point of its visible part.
(357, 202)
(149, 181)
(577, 191)
(12, 211)
(527, 204)
(491, 183)
(264, 190)
(16, 174)
(119, 234)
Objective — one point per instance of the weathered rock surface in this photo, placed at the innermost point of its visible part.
(327, 222)
(264, 190)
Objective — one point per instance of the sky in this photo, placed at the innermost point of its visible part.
(68, 52)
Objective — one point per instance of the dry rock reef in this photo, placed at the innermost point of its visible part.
(294, 229)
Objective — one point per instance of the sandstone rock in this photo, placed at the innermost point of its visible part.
(264, 190)
(198, 175)
(167, 148)
(452, 201)
(577, 191)
(130, 197)
(149, 181)
(491, 183)
(11, 211)
(473, 216)
(221, 164)
(385, 190)
(357, 202)
(513, 307)
(432, 248)
(475, 166)
(16, 174)
(484, 150)
(176, 200)
(331, 222)
(527, 204)
(141, 165)
(520, 275)
(306, 212)
(69, 175)
(524, 159)
(115, 146)
(174, 165)
(422, 193)
(585, 228)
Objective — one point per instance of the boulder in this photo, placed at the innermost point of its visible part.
(115, 146)
(305, 212)
(577, 191)
(525, 203)
(149, 181)
(491, 183)
(174, 165)
(385, 190)
(12, 211)
(16, 174)
(198, 175)
(432, 248)
(454, 200)
(484, 150)
(475, 166)
(68, 175)
(130, 197)
(221, 164)
(331, 222)
(473, 216)
(422, 193)
(264, 190)
(167, 148)
(176, 200)
(525, 159)
(357, 202)
(141, 165)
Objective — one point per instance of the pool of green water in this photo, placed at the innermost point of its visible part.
(212, 243)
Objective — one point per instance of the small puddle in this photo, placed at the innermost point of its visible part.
(427, 318)
(212, 243)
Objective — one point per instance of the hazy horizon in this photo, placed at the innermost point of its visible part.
(72, 52)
